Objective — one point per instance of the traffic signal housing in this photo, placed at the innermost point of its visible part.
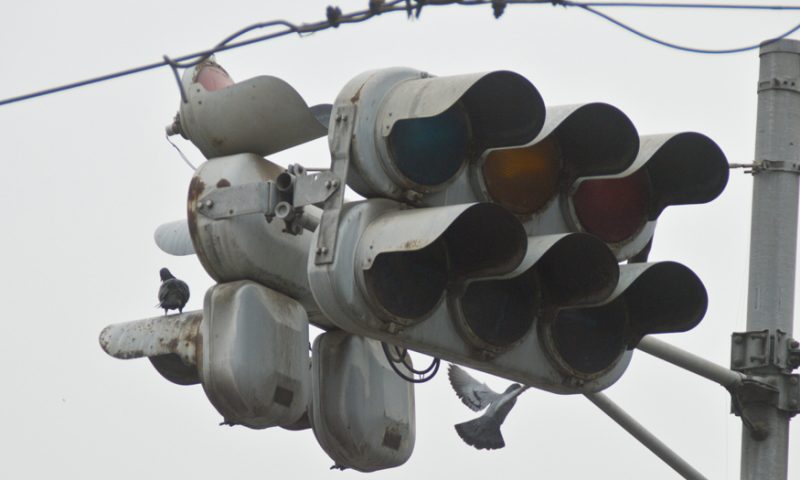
(507, 260)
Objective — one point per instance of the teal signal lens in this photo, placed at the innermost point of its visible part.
(430, 151)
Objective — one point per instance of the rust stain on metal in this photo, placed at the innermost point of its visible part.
(415, 244)
(223, 182)
(355, 98)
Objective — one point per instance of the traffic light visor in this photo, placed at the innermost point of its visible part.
(409, 257)
(650, 298)
(558, 270)
(212, 77)
(684, 168)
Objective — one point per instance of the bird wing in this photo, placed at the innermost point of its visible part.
(163, 291)
(474, 394)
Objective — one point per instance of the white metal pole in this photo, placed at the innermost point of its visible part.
(773, 241)
(644, 436)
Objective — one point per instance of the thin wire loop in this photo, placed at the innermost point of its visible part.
(433, 368)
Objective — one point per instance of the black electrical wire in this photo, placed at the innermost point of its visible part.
(377, 7)
(681, 47)
(710, 6)
(403, 357)
(426, 375)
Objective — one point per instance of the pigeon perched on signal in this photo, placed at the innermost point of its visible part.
(173, 293)
(484, 431)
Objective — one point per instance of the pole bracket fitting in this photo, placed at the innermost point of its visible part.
(765, 165)
(752, 352)
(791, 84)
(768, 358)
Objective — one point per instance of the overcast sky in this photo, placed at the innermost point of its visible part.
(88, 176)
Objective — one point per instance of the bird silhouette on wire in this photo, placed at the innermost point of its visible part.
(484, 431)
(173, 293)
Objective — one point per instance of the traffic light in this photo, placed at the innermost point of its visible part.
(362, 412)
(248, 347)
(493, 227)
(490, 234)
(261, 115)
(249, 222)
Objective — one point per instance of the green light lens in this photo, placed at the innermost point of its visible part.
(430, 151)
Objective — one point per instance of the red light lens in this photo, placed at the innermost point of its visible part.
(613, 209)
(213, 78)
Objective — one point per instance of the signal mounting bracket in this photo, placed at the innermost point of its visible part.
(766, 353)
(341, 137)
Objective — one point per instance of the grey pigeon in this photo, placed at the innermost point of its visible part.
(484, 431)
(173, 293)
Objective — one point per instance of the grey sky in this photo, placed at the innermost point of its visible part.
(89, 176)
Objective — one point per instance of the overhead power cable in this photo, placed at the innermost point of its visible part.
(335, 18)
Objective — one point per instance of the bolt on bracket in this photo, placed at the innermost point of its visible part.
(762, 349)
(768, 358)
(765, 165)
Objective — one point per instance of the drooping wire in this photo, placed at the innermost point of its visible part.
(335, 18)
(681, 47)
(181, 154)
(192, 59)
(401, 357)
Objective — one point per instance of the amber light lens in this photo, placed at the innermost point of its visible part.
(523, 179)
(213, 78)
(613, 209)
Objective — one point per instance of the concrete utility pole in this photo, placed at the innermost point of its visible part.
(766, 351)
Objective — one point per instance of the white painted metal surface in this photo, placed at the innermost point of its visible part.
(363, 412)
(254, 364)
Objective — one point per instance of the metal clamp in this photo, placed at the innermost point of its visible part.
(768, 166)
(768, 358)
(344, 121)
(791, 84)
(761, 349)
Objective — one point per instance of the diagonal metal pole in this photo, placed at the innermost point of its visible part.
(773, 241)
(644, 436)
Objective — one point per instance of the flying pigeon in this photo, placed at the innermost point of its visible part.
(484, 431)
(173, 293)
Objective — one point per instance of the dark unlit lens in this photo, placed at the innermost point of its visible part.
(613, 209)
(430, 151)
(409, 285)
(499, 312)
(590, 340)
